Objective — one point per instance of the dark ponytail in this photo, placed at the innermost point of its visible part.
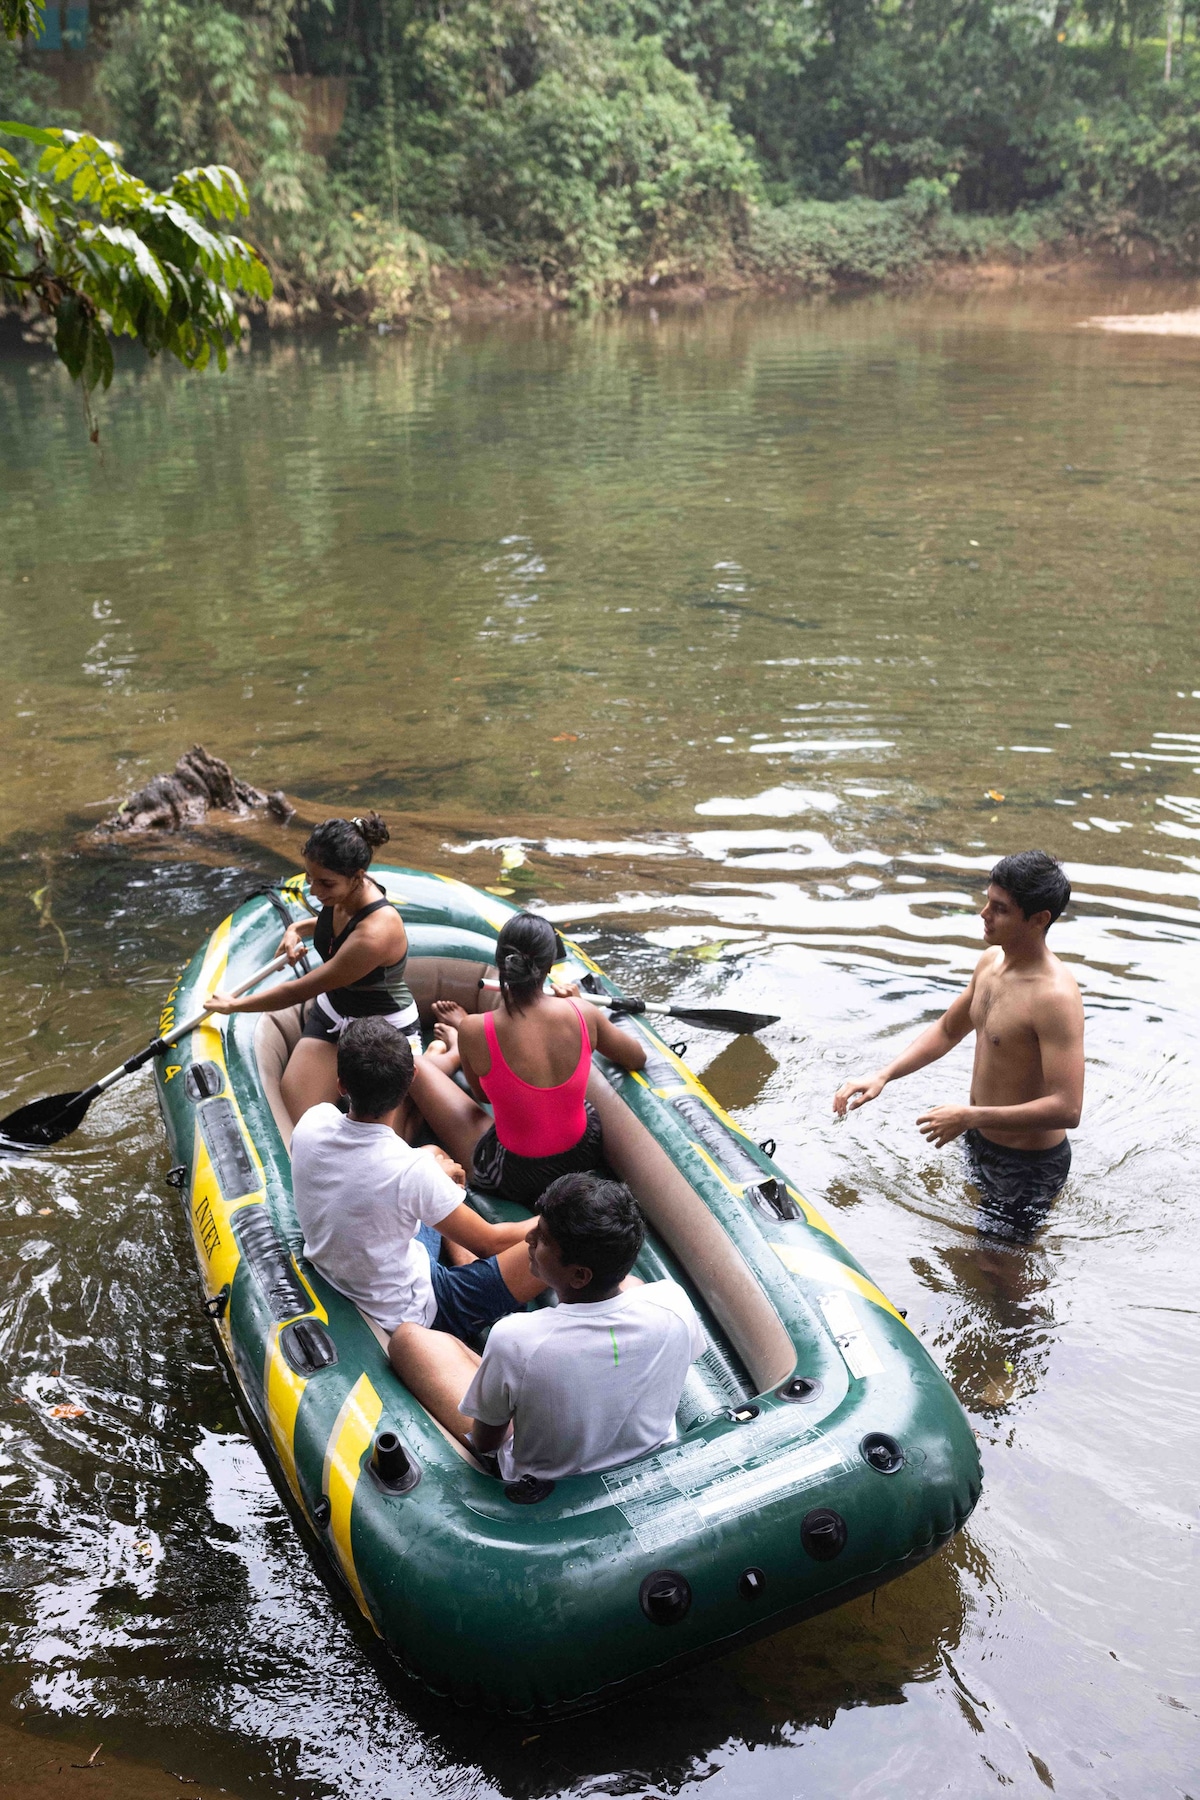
(344, 846)
(526, 951)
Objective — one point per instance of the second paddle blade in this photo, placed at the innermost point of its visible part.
(724, 1018)
(43, 1122)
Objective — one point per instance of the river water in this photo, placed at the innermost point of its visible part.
(764, 629)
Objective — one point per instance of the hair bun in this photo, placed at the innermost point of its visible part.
(372, 829)
(517, 968)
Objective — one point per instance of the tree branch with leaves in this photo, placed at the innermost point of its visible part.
(103, 254)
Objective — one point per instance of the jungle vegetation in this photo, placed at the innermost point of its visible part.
(588, 146)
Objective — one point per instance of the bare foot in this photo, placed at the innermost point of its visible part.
(445, 1045)
(449, 1012)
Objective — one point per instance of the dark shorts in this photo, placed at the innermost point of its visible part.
(1017, 1187)
(326, 1024)
(524, 1179)
(468, 1299)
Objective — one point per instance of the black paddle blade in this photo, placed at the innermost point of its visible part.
(723, 1018)
(43, 1122)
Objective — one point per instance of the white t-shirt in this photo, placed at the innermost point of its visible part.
(361, 1193)
(587, 1385)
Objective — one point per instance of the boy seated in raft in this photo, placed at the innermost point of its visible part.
(574, 1388)
(371, 1206)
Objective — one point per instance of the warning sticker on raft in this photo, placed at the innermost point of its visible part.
(856, 1347)
(694, 1485)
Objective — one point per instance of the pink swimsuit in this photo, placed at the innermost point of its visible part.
(536, 1121)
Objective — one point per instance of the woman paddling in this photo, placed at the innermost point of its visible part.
(531, 1059)
(361, 938)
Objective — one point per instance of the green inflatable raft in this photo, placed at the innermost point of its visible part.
(819, 1450)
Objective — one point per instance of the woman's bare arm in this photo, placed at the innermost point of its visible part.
(621, 1047)
(362, 951)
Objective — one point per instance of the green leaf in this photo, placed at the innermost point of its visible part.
(71, 334)
(37, 134)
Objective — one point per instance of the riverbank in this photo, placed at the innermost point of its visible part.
(805, 248)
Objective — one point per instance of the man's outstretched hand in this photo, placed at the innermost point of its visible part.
(853, 1094)
(942, 1124)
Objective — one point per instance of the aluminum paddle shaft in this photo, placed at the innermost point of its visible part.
(43, 1122)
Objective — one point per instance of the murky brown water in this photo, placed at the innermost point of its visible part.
(733, 619)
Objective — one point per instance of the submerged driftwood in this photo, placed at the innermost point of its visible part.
(197, 783)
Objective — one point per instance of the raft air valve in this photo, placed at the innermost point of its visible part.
(823, 1533)
(528, 1491)
(800, 1387)
(881, 1453)
(665, 1597)
(392, 1466)
(752, 1584)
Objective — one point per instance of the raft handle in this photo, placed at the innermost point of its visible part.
(394, 1469)
(216, 1305)
(679, 1049)
(203, 1081)
(307, 1347)
(770, 1195)
(768, 1146)
(177, 1177)
(665, 1597)
(801, 1388)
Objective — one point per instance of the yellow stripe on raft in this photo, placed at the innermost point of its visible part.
(491, 915)
(352, 1432)
(216, 956)
(284, 1390)
(814, 1266)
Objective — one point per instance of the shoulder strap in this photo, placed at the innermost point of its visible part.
(585, 1047)
(373, 906)
(493, 1043)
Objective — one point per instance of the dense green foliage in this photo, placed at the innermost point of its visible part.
(599, 144)
(100, 252)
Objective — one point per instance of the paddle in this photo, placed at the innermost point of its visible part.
(45, 1121)
(709, 1018)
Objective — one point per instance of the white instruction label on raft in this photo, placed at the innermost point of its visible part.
(852, 1340)
(693, 1485)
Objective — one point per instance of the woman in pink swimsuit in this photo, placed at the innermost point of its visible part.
(530, 1059)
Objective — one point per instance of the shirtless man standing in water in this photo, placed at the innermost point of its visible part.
(1027, 1083)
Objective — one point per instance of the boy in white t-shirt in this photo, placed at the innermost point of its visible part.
(574, 1388)
(371, 1206)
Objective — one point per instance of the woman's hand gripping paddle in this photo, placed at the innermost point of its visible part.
(45, 1121)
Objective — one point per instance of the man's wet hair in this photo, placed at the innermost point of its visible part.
(374, 1065)
(595, 1223)
(1036, 882)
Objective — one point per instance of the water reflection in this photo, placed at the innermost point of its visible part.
(153, 1576)
(764, 633)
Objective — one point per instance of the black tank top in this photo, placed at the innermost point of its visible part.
(381, 990)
